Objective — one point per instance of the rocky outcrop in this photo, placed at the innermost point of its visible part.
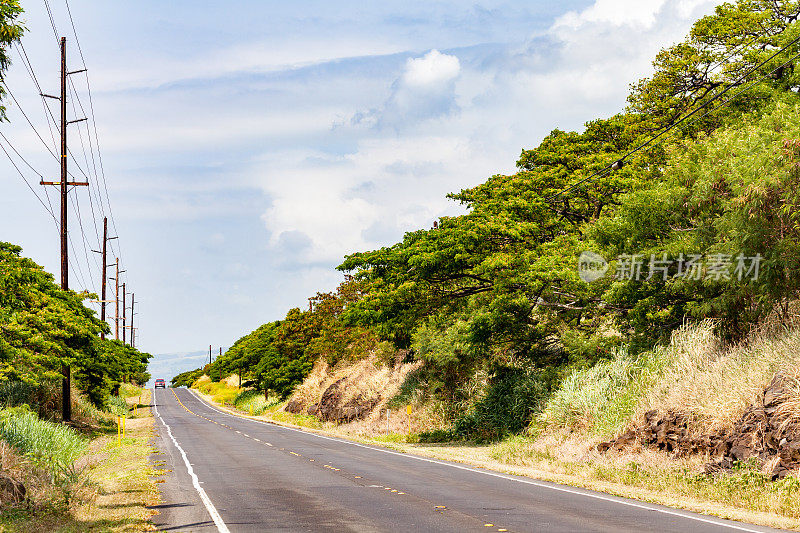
(663, 431)
(767, 433)
(332, 407)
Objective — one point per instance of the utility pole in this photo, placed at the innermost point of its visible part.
(123, 313)
(133, 302)
(209, 354)
(64, 184)
(103, 282)
(105, 273)
(116, 300)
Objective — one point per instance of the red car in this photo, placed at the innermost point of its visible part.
(160, 383)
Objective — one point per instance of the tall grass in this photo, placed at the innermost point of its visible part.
(51, 446)
(695, 375)
(254, 402)
(601, 399)
(716, 384)
(14, 393)
(220, 391)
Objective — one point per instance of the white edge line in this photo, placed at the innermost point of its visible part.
(221, 527)
(552, 486)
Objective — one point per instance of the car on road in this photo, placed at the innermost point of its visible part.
(160, 383)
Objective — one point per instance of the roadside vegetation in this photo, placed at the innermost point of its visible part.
(481, 330)
(78, 478)
(54, 475)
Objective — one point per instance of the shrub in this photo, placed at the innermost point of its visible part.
(128, 390)
(117, 406)
(513, 396)
(219, 391)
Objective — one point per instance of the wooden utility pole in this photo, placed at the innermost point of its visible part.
(209, 354)
(105, 273)
(133, 303)
(123, 313)
(103, 282)
(116, 301)
(64, 184)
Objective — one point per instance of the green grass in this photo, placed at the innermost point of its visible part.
(52, 446)
(306, 421)
(601, 399)
(118, 406)
(253, 402)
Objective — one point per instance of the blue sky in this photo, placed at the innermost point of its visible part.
(248, 146)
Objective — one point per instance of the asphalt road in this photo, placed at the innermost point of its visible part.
(234, 474)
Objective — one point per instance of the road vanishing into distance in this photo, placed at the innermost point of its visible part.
(235, 474)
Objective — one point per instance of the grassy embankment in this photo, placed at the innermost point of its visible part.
(83, 479)
(226, 393)
(695, 375)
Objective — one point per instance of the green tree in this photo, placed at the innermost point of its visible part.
(11, 31)
(43, 327)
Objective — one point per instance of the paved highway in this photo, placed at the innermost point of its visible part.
(234, 474)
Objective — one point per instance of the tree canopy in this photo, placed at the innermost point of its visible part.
(43, 327)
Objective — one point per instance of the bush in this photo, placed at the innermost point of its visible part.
(186, 379)
(219, 391)
(436, 435)
(117, 406)
(128, 390)
(513, 396)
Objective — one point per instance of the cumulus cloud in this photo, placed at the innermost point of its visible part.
(425, 89)
(452, 118)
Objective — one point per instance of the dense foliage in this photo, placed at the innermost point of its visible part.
(497, 292)
(43, 328)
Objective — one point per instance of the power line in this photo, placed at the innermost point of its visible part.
(23, 54)
(8, 90)
(619, 162)
(94, 126)
(52, 20)
(21, 175)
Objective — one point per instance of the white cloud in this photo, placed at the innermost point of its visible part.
(417, 148)
(615, 13)
(425, 90)
(431, 71)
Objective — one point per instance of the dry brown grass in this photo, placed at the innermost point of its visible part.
(715, 384)
(367, 378)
